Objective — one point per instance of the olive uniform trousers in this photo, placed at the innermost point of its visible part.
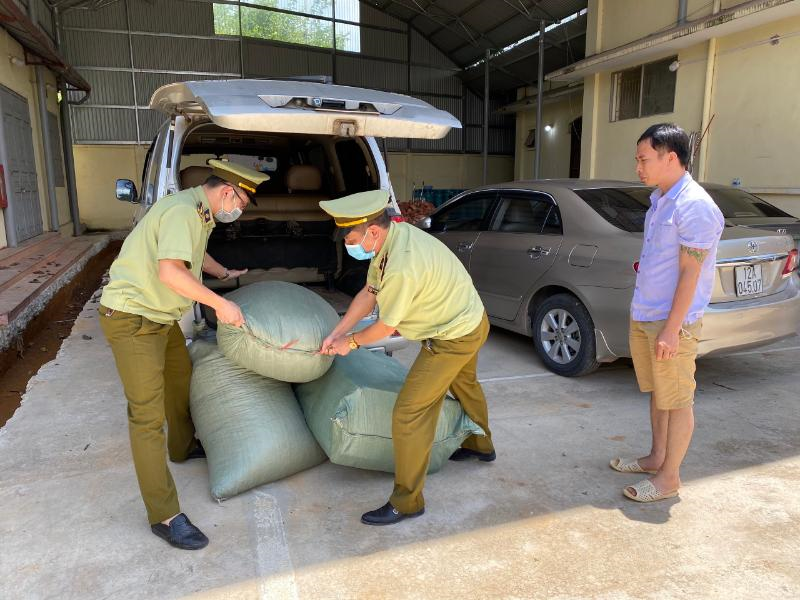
(440, 365)
(155, 369)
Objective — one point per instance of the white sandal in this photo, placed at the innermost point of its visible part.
(628, 466)
(647, 492)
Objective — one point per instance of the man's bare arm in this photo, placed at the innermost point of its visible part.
(690, 264)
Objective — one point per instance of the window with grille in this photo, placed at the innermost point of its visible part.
(643, 91)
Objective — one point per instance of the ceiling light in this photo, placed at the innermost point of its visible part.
(548, 128)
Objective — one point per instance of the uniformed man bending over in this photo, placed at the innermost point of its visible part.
(424, 292)
(153, 282)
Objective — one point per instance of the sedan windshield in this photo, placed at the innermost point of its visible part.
(626, 208)
(738, 204)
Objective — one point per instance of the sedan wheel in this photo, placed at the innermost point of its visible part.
(560, 336)
(563, 335)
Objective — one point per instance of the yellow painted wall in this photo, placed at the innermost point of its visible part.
(22, 80)
(555, 143)
(445, 171)
(96, 170)
(98, 167)
(754, 92)
(755, 135)
(615, 142)
(628, 20)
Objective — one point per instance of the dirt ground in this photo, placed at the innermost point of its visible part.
(43, 337)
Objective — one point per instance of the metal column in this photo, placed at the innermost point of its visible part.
(333, 45)
(44, 127)
(486, 117)
(66, 141)
(682, 10)
(537, 167)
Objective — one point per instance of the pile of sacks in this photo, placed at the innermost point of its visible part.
(266, 405)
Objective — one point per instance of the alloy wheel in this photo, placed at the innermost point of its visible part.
(560, 336)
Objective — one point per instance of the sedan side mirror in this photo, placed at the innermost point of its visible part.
(424, 223)
(126, 191)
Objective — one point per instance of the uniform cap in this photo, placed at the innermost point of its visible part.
(238, 175)
(356, 209)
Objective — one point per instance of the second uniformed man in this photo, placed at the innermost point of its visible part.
(424, 292)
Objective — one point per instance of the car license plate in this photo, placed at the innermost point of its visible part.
(748, 280)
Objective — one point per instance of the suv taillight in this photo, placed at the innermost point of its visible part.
(636, 266)
(791, 263)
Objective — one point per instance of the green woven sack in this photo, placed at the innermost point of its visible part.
(284, 328)
(251, 427)
(349, 411)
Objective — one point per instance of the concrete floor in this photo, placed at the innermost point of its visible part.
(546, 520)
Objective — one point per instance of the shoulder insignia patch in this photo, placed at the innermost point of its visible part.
(382, 265)
(203, 213)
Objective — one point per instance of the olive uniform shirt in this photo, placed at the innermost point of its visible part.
(422, 288)
(176, 227)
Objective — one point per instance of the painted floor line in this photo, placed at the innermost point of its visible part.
(765, 351)
(515, 377)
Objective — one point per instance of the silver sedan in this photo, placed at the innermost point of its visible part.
(556, 260)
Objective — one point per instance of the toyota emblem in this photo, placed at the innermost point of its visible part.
(752, 246)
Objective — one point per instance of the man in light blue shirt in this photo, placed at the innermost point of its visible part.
(673, 288)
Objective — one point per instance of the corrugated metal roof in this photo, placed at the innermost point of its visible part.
(464, 29)
(461, 29)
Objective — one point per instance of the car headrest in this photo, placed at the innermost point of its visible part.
(305, 178)
(194, 176)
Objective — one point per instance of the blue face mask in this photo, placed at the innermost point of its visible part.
(357, 250)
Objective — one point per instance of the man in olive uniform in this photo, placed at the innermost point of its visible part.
(424, 292)
(152, 283)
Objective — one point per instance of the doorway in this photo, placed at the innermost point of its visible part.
(16, 154)
(575, 131)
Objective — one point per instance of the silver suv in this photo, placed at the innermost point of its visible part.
(317, 141)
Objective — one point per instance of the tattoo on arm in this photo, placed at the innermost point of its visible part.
(696, 253)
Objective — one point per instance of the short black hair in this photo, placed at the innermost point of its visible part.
(214, 182)
(669, 137)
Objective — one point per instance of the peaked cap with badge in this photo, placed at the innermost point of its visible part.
(356, 209)
(238, 175)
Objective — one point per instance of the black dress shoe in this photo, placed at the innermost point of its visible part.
(387, 515)
(181, 533)
(197, 452)
(466, 454)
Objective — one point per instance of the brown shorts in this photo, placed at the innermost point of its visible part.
(671, 381)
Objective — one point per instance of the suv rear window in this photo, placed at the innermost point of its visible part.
(738, 204)
(624, 208)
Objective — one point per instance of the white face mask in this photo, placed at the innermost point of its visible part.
(228, 216)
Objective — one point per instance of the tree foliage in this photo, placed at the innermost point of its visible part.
(270, 25)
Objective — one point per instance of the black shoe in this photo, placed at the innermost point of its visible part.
(181, 533)
(466, 454)
(387, 515)
(197, 452)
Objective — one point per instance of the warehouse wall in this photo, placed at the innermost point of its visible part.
(753, 92)
(409, 170)
(22, 80)
(128, 49)
(96, 170)
(98, 166)
(556, 143)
